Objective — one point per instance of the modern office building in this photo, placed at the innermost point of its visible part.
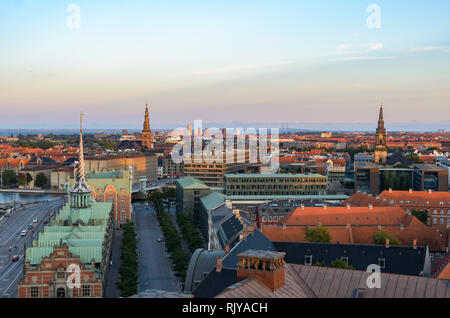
(275, 184)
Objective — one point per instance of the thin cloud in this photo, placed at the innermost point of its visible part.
(367, 58)
(234, 68)
(430, 49)
(359, 48)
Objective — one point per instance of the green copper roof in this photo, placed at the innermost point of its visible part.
(86, 253)
(212, 200)
(84, 240)
(192, 183)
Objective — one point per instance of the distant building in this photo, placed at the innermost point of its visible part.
(380, 148)
(142, 165)
(189, 191)
(171, 169)
(275, 184)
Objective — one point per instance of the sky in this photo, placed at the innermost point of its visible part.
(313, 64)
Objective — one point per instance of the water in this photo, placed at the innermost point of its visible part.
(6, 198)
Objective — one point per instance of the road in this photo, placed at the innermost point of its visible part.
(155, 266)
(10, 228)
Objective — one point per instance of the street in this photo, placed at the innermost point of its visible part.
(10, 228)
(155, 267)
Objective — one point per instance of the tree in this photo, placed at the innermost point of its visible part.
(379, 238)
(41, 180)
(414, 157)
(421, 215)
(9, 178)
(318, 234)
(340, 263)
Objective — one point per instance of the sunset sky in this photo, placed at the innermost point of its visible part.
(224, 61)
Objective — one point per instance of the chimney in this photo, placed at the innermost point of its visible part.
(430, 191)
(402, 227)
(266, 266)
(410, 191)
(415, 244)
(387, 243)
(348, 206)
(390, 190)
(284, 226)
(325, 207)
(370, 206)
(227, 249)
(302, 207)
(219, 265)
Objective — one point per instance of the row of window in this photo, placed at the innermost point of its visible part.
(85, 291)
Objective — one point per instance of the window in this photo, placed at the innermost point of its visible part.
(382, 262)
(308, 259)
(34, 292)
(86, 290)
(123, 215)
(60, 275)
(264, 219)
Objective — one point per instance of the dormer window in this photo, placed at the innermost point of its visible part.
(308, 259)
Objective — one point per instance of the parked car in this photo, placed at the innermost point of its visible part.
(15, 258)
(23, 233)
(160, 239)
(35, 220)
(45, 221)
(30, 226)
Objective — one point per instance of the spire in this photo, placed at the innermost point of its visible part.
(380, 118)
(80, 185)
(146, 121)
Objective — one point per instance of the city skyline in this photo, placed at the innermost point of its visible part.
(309, 65)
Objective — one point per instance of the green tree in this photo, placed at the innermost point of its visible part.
(340, 263)
(421, 215)
(318, 234)
(414, 157)
(9, 178)
(41, 180)
(379, 238)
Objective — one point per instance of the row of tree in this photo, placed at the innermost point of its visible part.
(191, 235)
(12, 178)
(171, 235)
(129, 262)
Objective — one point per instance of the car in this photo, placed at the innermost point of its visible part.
(35, 220)
(30, 226)
(23, 233)
(160, 240)
(45, 221)
(15, 258)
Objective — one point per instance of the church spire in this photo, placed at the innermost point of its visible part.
(146, 120)
(380, 118)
